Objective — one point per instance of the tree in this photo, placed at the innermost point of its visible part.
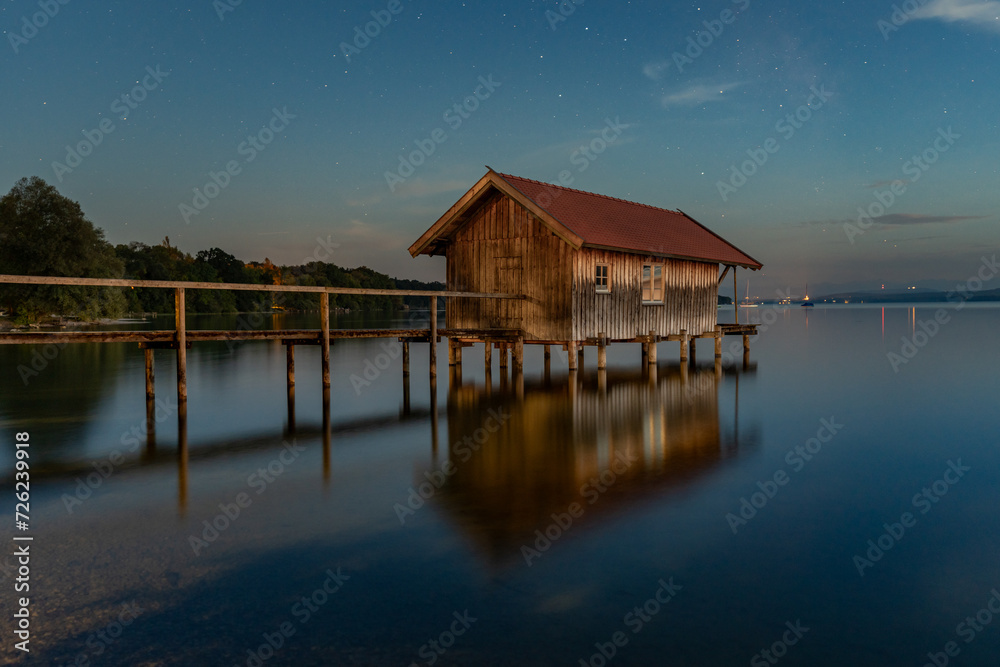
(43, 233)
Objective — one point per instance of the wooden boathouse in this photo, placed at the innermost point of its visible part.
(593, 269)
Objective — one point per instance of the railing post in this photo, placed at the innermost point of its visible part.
(181, 337)
(434, 328)
(324, 313)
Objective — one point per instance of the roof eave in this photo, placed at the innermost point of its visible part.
(666, 255)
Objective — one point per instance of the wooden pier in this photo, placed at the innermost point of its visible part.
(509, 342)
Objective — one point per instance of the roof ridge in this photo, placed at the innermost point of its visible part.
(595, 194)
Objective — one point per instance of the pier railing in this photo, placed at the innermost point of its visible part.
(179, 338)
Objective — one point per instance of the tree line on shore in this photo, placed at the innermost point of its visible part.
(44, 233)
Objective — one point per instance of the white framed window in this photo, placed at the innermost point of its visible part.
(602, 280)
(652, 284)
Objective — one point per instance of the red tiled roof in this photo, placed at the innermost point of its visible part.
(607, 222)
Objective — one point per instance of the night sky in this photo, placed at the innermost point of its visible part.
(308, 114)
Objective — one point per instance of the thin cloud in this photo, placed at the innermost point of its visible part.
(898, 220)
(906, 219)
(974, 12)
(701, 93)
(883, 184)
(654, 71)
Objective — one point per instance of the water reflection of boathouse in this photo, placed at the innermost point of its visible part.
(565, 441)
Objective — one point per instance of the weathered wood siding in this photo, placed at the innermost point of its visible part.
(503, 248)
(690, 296)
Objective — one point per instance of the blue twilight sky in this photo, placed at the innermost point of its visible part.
(688, 90)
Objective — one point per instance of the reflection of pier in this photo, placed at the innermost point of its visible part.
(566, 440)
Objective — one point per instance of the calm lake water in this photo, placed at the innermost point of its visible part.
(819, 504)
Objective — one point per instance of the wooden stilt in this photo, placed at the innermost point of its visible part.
(150, 375)
(692, 344)
(324, 315)
(547, 362)
(290, 384)
(488, 357)
(406, 394)
(571, 352)
(503, 357)
(652, 348)
(718, 341)
(406, 358)
(434, 328)
(602, 352)
(458, 355)
(645, 354)
(150, 403)
(181, 337)
(518, 356)
(684, 346)
(547, 354)
(582, 357)
(451, 352)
